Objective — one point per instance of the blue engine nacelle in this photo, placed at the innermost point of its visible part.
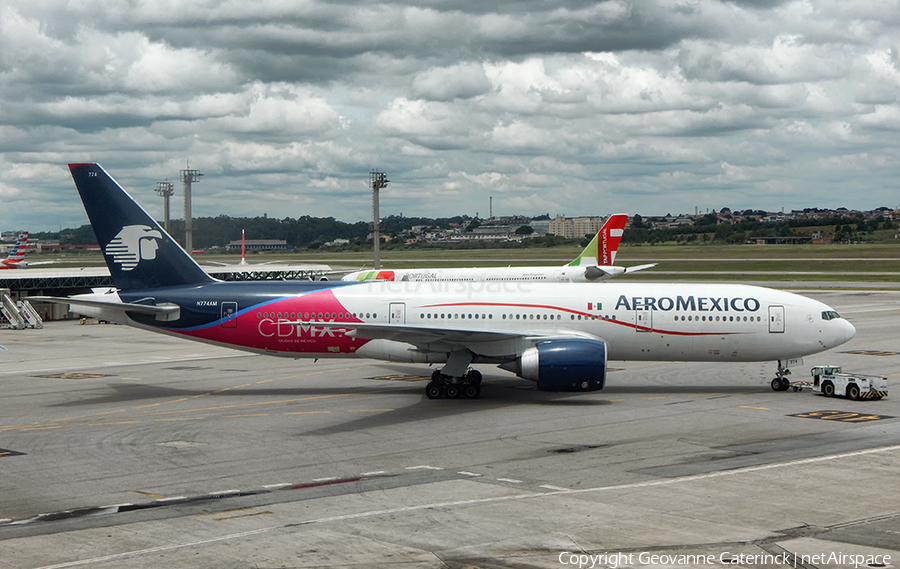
(576, 364)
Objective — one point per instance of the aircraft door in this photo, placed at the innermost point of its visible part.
(397, 313)
(229, 314)
(643, 320)
(776, 319)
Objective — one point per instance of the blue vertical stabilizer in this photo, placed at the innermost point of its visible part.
(138, 252)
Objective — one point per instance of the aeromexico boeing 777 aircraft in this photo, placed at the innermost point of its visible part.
(559, 335)
(595, 264)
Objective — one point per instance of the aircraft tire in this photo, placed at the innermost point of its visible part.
(452, 392)
(473, 377)
(471, 391)
(776, 384)
(433, 391)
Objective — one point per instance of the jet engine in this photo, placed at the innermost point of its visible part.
(572, 364)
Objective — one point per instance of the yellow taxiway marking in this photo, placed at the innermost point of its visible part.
(22, 426)
(181, 419)
(223, 511)
(177, 400)
(111, 412)
(70, 418)
(264, 381)
(247, 415)
(751, 407)
(146, 406)
(111, 423)
(240, 386)
(131, 379)
(243, 516)
(147, 494)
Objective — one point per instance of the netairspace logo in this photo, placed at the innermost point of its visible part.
(135, 243)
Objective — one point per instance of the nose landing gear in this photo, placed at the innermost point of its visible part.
(781, 382)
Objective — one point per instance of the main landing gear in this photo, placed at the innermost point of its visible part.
(468, 386)
(455, 379)
(781, 382)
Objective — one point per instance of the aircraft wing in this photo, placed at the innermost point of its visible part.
(440, 338)
(412, 334)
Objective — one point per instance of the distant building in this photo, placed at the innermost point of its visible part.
(575, 227)
(260, 244)
(540, 226)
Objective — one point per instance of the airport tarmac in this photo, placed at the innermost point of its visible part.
(123, 449)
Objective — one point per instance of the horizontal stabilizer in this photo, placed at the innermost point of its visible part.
(160, 311)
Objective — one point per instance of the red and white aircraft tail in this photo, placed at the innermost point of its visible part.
(16, 254)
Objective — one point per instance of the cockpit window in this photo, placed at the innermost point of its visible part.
(830, 315)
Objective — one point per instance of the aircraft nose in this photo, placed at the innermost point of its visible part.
(849, 331)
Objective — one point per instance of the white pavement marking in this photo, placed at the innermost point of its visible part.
(472, 502)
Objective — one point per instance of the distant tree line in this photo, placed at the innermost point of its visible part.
(726, 229)
(312, 232)
(309, 232)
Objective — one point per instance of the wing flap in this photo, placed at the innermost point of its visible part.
(431, 339)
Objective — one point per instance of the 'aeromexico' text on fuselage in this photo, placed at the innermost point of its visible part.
(696, 304)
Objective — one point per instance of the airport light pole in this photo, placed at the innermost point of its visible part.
(377, 180)
(165, 190)
(188, 177)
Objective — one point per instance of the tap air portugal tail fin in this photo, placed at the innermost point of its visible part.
(138, 252)
(602, 248)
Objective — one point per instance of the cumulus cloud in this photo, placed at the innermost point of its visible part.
(556, 106)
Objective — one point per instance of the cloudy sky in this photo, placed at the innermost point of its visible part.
(568, 107)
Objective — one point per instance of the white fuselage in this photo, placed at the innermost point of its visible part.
(638, 321)
(560, 274)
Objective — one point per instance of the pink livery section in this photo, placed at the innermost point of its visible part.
(278, 326)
